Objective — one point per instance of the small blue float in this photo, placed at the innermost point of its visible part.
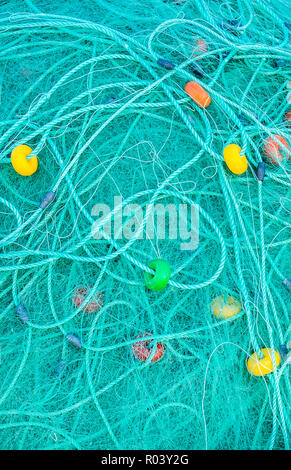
(60, 368)
(261, 171)
(167, 64)
(22, 313)
(74, 340)
(47, 199)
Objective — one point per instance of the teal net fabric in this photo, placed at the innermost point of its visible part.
(82, 86)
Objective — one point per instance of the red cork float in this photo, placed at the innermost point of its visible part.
(142, 349)
(201, 47)
(276, 153)
(288, 118)
(198, 94)
(94, 304)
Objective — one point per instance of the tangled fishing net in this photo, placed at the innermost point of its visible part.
(83, 86)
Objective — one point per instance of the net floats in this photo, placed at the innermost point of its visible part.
(20, 163)
(79, 298)
(276, 153)
(47, 199)
(142, 350)
(262, 366)
(74, 340)
(167, 64)
(200, 48)
(288, 118)
(235, 163)
(261, 171)
(160, 279)
(198, 94)
(60, 368)
(225, 306)
(201, 45)
(22, 313)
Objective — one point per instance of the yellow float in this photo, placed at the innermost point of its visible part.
(225, 306)
(236, 164)
(20, 163)
(262, 366)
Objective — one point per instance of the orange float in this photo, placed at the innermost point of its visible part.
(142, 349)
(274, 151)
(79, 298)
(198, 94)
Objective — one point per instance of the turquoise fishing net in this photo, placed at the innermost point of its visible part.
(80, 84)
